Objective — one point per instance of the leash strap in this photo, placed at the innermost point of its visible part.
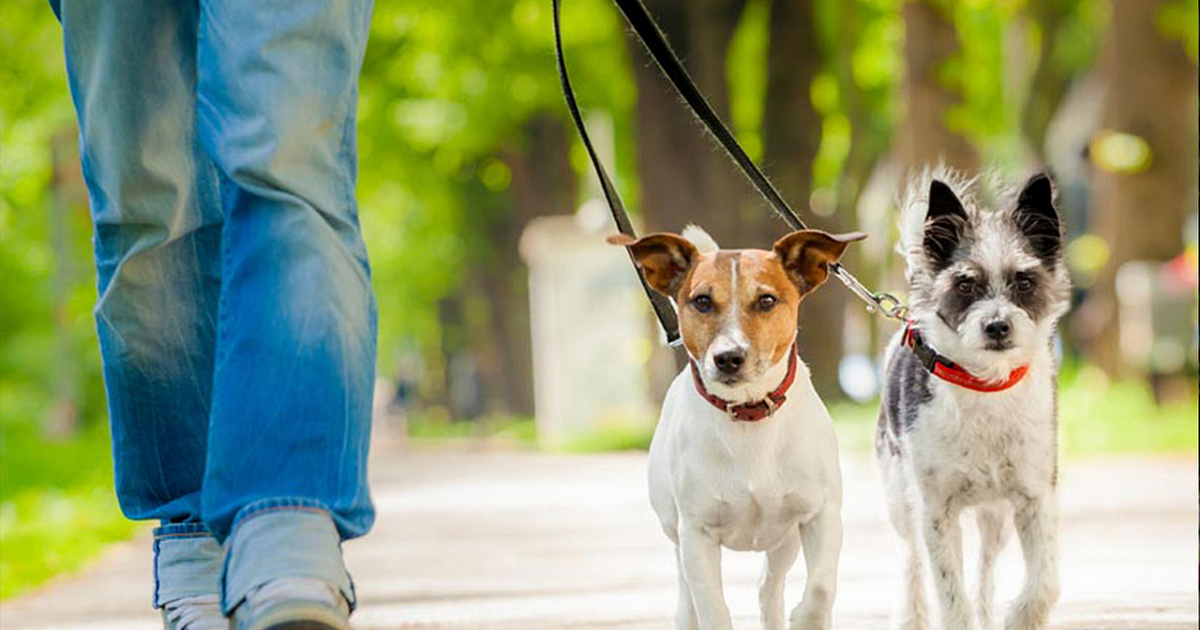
(662, 306)
(656, 44)
(652, 38)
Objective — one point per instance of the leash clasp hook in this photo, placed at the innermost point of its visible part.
(885, 304)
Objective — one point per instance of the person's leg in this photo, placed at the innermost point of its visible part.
(132, 72)
(286, 476)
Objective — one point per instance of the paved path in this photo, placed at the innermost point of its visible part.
(507, 541)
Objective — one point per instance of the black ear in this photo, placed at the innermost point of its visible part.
(945, 224)
(1037, 219)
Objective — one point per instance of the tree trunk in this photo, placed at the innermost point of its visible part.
(684, 177)
(1151, 94)
(868, 145)
(1050, 80)
(542, 184)
(62, 421)
(791, 131)
(924, 139)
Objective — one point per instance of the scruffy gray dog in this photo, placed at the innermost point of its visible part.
(969, 416)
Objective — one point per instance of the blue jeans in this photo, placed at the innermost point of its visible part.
(236, 318)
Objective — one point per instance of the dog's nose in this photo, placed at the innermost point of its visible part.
(997, 329)
(730, 361)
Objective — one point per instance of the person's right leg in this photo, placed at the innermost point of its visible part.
(132, 71)
(286, 479)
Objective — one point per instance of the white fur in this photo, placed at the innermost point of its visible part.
(991, 451)
(700, 238)
(994, 452)
(772, 486)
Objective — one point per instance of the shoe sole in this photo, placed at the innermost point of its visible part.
(298, 616)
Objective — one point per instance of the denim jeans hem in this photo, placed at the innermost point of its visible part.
(187, 562)
(282, 537)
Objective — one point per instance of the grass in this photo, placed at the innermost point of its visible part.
(57, 506)
(1096, 417)
(514, 430)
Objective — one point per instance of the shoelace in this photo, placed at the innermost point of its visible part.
(197, 613)
(295, 589)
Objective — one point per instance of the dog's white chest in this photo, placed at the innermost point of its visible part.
(747, 485)
(757, 515)
(981, 448)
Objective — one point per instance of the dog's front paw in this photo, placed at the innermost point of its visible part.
(912, 622)
(1031, 610)
(1027, 614)
(811, 616)
(809, 622)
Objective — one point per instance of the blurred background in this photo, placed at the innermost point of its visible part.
(505, 320)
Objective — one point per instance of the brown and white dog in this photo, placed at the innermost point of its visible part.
(745, 454)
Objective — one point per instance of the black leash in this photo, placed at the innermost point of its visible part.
(652, 38)
(662, 304)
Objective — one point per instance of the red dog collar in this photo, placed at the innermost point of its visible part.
(950, 371)
(750, 412)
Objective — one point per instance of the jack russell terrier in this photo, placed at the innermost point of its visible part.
(969, 415)
(745, 454)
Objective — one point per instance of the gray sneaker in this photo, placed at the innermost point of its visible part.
(292, 604)
(194, 613)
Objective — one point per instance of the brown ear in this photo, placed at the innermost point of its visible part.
(807, 254)
(663, 258)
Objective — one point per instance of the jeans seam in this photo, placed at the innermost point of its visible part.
(278, 504)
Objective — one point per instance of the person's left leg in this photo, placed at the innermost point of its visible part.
(131, 65)
(285, 480)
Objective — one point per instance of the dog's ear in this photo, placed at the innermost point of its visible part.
(807, 254)
(945, 224)
(664, 259)
(1037, 219)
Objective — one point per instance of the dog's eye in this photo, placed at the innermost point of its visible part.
(1024, 284)
(702, 303)
(766, 302)
(965, 286)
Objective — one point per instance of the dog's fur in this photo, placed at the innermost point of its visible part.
(976, 253)
(773, 485)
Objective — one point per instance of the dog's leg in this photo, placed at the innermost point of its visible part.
(700, 556)
(770, 587)
(943, 539)
(1037, 521)
(685, 615)
(822, 539)
(991, 540)
(914, 614)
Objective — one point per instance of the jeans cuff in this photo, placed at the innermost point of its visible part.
(187, 562)
(281, 538)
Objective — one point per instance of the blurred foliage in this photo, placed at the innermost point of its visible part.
(508, 430)
(1178, 20)
(440, 97)
(57, 506)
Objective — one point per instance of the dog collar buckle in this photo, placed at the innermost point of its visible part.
(928, 357)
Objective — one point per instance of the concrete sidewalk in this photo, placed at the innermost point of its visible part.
(501, 540)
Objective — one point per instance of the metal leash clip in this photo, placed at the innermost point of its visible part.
(885, 304)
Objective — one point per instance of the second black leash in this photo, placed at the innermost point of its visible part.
(652, 38)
